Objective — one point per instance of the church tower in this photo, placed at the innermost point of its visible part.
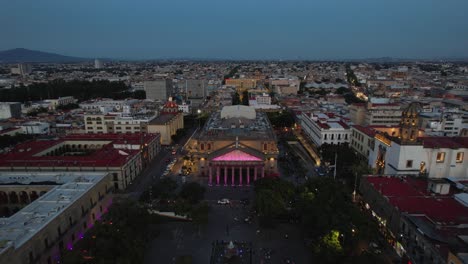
(409, 123)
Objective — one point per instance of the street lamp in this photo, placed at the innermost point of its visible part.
(198, 117)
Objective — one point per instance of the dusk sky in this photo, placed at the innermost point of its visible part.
(241, 29)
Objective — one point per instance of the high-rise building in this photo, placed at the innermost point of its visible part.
(194, 88)
(375, 114)
(10, 110)
(158, 89)
(22, 69)
(98, 64)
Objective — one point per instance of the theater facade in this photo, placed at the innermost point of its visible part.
(236, 147)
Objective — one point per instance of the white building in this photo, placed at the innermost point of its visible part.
(322, 128)
(448, 124)
(434, 157)
(116, 123)
(10, 110)
(98, 64)
(184, 108)
(107, 105)
(35, 128)
(22, 69)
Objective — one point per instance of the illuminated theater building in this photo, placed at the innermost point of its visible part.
(236, 147)
(122, 155)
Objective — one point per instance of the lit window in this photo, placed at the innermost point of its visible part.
(460, 157)
(440, 157)
(409, 164)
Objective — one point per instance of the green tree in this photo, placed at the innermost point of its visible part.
(68, 106)
(328, 249)
(342, 90)
(236, 99)
(192, 192)
(245, 98)
(269, 203)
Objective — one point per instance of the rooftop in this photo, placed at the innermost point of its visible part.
(20, 227)
(115, 150)
(411, 195)
(366, 130)
(230, 127)
(444, 142)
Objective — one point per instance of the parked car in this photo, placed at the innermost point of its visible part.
(224, 201)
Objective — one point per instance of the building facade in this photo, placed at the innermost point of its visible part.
(116, 123)
(57, 218)
(375, 114)
(235, 147)
(10, 110)
(325, 129)
(158, 89)
(124, 156)
(167, 123)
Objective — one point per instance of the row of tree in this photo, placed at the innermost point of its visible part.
(324, 210)
(82, 90)
(165, 195)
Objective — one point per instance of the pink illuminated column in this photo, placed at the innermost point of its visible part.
(255, 173)
(232, 176)
(210, 179)
(240, 176)
(263, 172)
(217, 175)
(248, 175)
(225, 176)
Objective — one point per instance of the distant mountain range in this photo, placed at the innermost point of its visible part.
(21, 55)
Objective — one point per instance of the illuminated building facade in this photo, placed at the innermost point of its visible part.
(236, 147)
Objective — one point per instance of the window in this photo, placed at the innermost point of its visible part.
(440, 157)
(409, 164)
(460, 157)
(202, 146)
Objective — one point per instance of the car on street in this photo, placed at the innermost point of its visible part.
(224, 201)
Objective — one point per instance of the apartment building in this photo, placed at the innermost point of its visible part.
(325, 128)
(116, 123)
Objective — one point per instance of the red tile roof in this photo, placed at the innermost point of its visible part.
(444, 142)
(411, 195)
(24, 155)
(366, 130)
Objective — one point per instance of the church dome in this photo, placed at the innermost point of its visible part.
(412, 110)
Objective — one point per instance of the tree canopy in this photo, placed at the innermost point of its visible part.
(82, 90)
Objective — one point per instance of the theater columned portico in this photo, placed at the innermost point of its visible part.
(235, 168)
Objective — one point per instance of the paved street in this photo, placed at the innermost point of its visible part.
(155, 169)
(226, 222)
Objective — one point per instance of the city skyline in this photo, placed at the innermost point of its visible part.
(218, 30)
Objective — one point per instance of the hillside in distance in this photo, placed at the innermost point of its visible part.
(21, 55)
